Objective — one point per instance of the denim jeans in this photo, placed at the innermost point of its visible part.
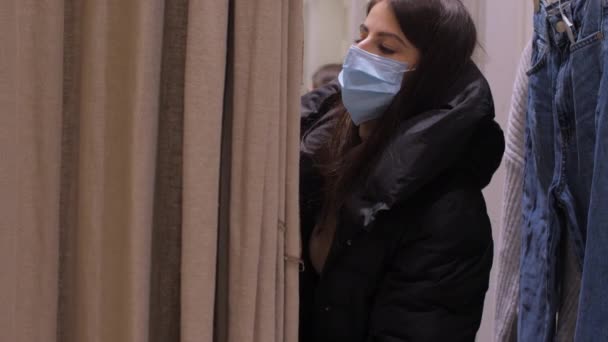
(566, 172)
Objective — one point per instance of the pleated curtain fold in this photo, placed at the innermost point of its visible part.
(149, 170)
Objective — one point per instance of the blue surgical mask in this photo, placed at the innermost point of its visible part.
(369, 84)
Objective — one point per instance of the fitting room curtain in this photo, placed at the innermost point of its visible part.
(123, 127)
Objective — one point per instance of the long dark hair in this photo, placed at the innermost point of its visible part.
(445, 35)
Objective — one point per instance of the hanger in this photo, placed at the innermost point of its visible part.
(567, 21)
(537, 4)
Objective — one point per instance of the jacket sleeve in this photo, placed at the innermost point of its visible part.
(435, 287)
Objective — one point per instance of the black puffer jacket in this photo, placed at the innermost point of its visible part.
(413, 248)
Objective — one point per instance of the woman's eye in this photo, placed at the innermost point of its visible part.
(386, 50)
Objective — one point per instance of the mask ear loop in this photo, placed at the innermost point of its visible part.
(569, 23)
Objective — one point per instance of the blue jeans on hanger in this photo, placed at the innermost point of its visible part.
(566, 173)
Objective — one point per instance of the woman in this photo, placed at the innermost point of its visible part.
(397, 242)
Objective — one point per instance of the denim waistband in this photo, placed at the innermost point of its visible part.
(585, 15)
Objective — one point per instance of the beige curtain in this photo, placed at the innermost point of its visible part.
(264, 170)
(123, 126)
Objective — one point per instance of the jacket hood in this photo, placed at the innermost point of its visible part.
(461, 136)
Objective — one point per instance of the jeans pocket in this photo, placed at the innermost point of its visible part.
(539, 57)
(587, 41)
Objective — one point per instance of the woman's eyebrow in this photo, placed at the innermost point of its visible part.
(365, 29)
